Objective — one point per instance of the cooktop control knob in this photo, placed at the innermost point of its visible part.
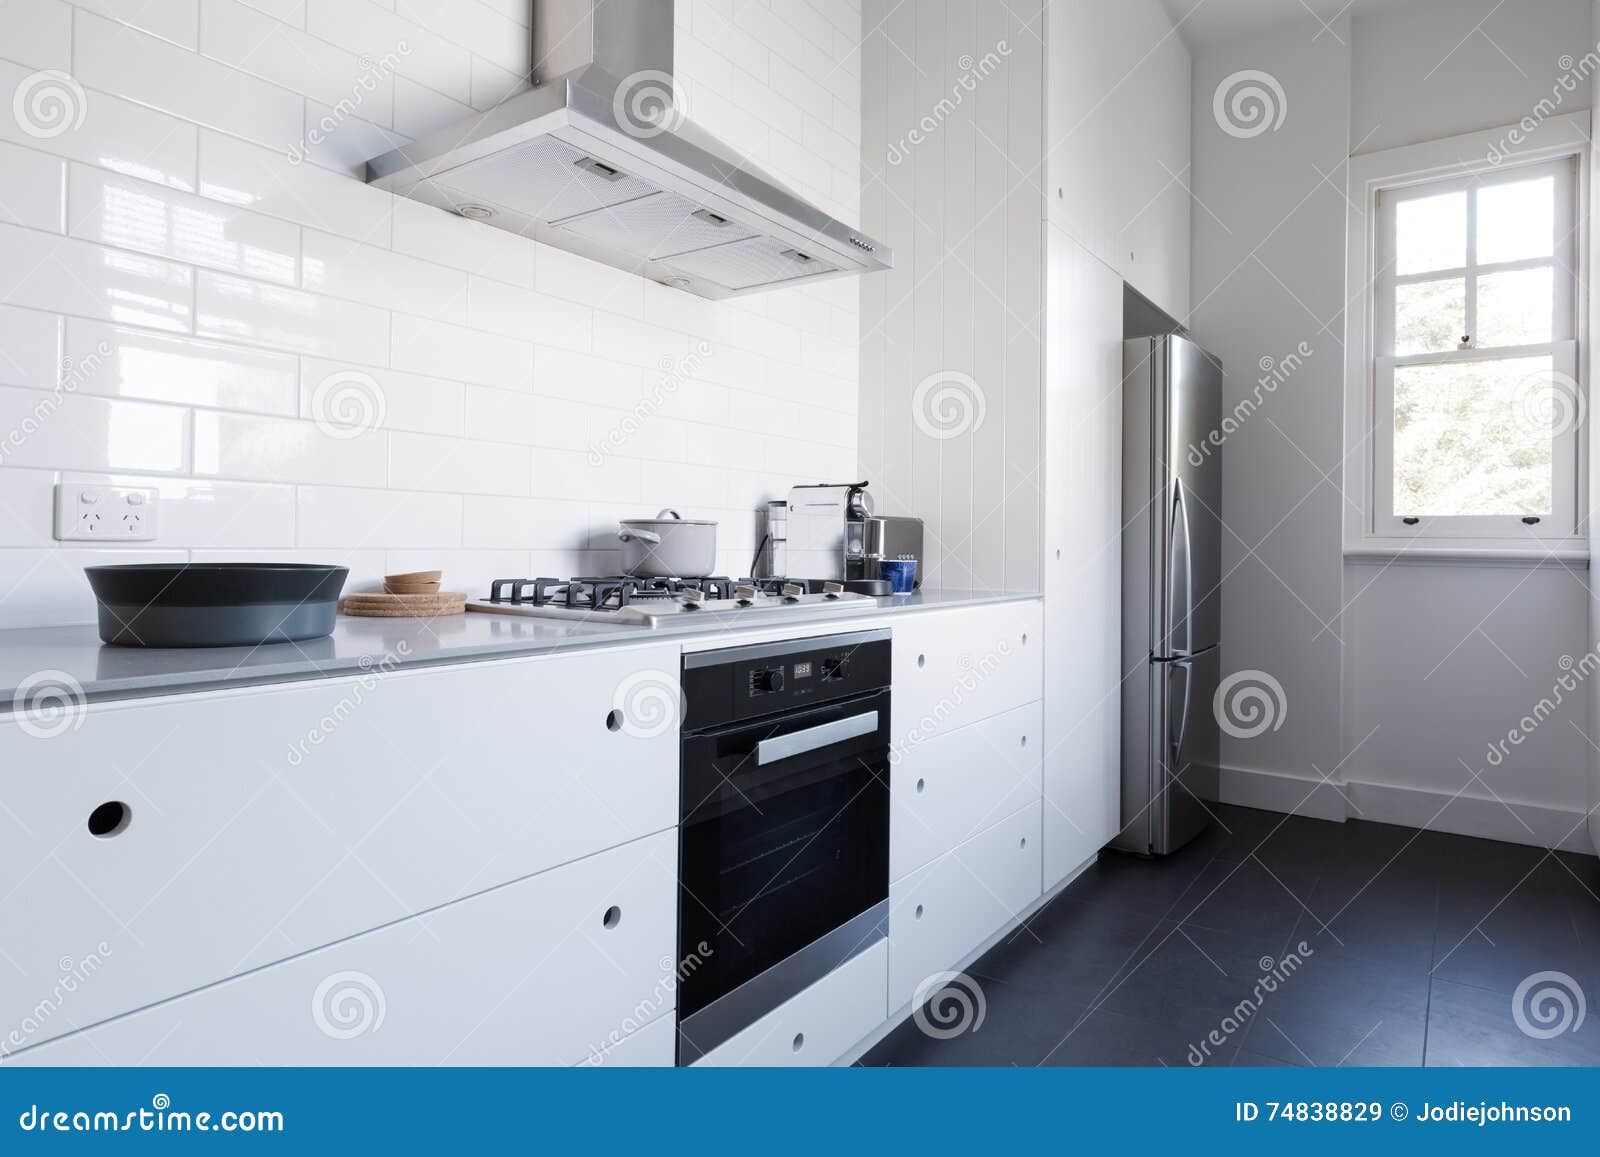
(767, 681)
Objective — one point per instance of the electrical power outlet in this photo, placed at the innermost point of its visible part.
(90, 513)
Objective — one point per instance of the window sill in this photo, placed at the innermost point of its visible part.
(1379, 553)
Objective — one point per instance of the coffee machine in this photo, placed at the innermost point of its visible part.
(829, 531)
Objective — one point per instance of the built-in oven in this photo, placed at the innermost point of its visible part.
(784, 844)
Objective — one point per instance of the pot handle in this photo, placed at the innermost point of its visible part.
(670, 513)
(650, 536)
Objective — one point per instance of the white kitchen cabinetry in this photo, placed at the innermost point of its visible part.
(266, 821)
(941, 913)
(550, 970)
(816, 1026)
(954, 667)
(947, 789)
(1083, 560)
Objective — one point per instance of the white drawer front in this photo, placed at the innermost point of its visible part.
(816, 1026)
(944, 911)
(530, 974)
(269, 821)
(954, 785)
(952, 668)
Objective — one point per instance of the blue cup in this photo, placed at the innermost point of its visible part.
(901, 573)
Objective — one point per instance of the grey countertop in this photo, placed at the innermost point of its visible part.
(63, 656)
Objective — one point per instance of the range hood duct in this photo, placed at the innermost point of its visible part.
(601, 160)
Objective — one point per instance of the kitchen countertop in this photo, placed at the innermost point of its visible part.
(56, 657)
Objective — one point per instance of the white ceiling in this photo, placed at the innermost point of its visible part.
(1203, 23)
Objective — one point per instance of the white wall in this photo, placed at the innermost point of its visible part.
(228, 281)
(1397, 676)
(952, 337)
(1593, 635)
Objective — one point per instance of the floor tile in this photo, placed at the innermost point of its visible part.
(1496, 942)
(1069, 950)
(1257, 904)
(1471, 1026)
(1016, 1028)
(1114, 1039)
(1334, 1009)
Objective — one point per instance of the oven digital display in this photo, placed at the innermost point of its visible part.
(802, 670)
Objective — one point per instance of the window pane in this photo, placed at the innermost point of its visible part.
(1474, 438)
(1515, 308)
(1430, 233)
(1516, 221)
(1429, 316)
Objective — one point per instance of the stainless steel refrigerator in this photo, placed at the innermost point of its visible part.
(1171, 604)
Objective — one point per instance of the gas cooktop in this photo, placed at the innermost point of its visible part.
(649, 602)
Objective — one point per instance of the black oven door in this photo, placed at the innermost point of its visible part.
(784, 860)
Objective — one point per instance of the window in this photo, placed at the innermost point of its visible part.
(1475, 402)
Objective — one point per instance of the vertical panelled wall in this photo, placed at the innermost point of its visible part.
(952, 337)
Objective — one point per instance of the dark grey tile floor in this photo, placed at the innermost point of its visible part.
(1278, 940)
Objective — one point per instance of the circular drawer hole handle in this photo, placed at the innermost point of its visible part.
(1024, 741)
(612, 918)
(921, 785)
(922, 661)
(110, 819)
(918, 912)
(1024, 640)
(1022, 843)
(614, 720)
(799, 1041)
(1058, 556)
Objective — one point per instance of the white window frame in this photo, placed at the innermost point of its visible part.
(1376, 182)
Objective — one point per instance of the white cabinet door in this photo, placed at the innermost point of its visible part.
(941, 913)
(551, 970)
(816, 1026)
(955, 785)
(952, 668)
(1083, 660)
(267, 821)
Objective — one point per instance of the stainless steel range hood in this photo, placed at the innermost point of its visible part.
(600, 160)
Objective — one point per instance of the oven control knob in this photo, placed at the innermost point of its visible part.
(768, 681)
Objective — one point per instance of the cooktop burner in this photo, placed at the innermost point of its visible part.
(650, 601)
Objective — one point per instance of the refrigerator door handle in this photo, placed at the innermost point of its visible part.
(1179, 520)
(1183, 718)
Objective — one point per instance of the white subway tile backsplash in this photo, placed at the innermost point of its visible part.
(114, 133)
(339, 516)
(369, 31)
(450, 351)
(116, 58)
(30, 348)
(237, 309)
(33, 189)
(136, 363)
(434, 235)
(523, 313)
(37, 33)
(64, 430)
(43, 271)
(430, 462)
(403, 401)
(342, 268)
(310, 369)
(174, 20)
(288, 450)
(257, 43)
(240, 173)
(27, 500)
(131, 214)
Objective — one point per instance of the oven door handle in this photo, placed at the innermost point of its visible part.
(811, 738)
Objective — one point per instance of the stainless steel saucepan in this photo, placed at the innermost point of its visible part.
(668, 546)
